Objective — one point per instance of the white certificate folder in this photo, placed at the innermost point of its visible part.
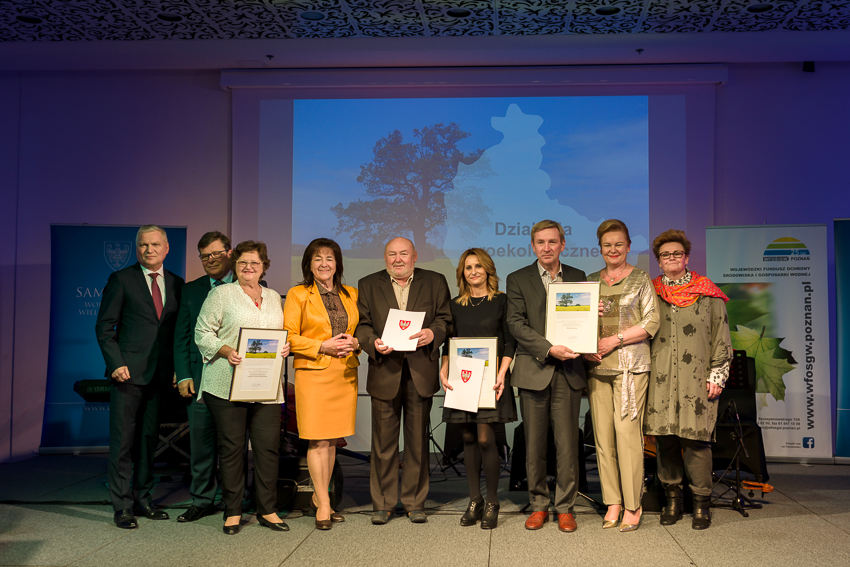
(400, 326)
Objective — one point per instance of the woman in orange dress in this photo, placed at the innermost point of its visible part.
(320, 314)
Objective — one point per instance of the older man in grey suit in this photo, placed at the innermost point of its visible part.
(401, 382)
(550, 378)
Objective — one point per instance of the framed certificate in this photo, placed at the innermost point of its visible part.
(483, 348)
(257, 378)
(572, 315)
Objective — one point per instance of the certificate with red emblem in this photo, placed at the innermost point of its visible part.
(465, 377)
(400, 326)
(483, 348)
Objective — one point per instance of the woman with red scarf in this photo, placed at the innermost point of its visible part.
(691, 353)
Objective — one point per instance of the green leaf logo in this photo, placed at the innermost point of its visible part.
(772, 361)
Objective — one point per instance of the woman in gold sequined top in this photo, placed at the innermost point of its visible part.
(321, 314)
(618, 375)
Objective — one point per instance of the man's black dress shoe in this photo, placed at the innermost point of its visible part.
(125, 520)
(151, 512)
(195, 513)
(278, 527)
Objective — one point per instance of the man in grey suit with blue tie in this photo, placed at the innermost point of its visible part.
(214, 252)
(550, 378)
(135, 332)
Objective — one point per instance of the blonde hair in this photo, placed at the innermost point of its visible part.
(489, 267)
(612, 225)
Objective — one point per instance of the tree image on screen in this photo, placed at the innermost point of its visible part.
(565, 300)
(256, 346)
(406, 183)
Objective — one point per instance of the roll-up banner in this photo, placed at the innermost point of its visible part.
(842, 342)
(81, 259)
(776, 280)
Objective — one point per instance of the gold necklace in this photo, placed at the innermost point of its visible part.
(612, 278)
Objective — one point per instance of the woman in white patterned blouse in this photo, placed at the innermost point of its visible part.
(227, 308)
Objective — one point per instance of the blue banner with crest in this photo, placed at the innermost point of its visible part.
(82, 258)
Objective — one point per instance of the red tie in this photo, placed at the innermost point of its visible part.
(157, 296)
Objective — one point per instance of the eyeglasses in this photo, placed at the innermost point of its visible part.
(667, 255)
(212, 255)
(254, 265)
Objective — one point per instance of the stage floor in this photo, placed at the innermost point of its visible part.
(54, 511)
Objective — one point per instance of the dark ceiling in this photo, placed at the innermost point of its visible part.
(145, 20)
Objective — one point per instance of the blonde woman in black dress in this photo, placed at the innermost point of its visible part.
(480, 311)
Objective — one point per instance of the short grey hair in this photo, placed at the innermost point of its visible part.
(151, 228)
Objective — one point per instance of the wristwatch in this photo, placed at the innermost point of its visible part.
(620, 336)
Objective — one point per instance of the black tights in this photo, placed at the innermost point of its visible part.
(480, 449)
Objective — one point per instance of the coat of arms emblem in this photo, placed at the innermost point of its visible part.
(465, 375)
(404, 324)
(117, 253)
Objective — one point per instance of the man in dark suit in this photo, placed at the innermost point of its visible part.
(401, 382)
(214, 252)
(135, 331)
(550, 378)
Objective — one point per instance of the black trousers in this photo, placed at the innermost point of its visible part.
(133, 427)
(203, 450)
(261, 422)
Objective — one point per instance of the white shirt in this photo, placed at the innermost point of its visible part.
(226, 310)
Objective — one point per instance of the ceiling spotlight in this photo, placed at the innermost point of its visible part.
(759, 8)
(29, 19)
(458, 13)
(165, 17)
(312, 16)
(607, 10)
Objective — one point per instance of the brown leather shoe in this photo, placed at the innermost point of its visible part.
(536, 520)
(567, 523)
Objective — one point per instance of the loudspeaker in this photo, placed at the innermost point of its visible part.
(519, 476)
(724, 446)
(740, 389)
(295, 489)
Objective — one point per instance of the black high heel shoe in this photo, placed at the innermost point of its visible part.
(232, 530)
(274, 526)
(473, 513)
(490, 517)
(335, 516)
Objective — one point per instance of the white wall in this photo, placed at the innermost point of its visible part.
(783, 153)
(99, 148)
(139, 147)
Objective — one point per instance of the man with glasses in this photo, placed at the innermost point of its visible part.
(214, 252)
